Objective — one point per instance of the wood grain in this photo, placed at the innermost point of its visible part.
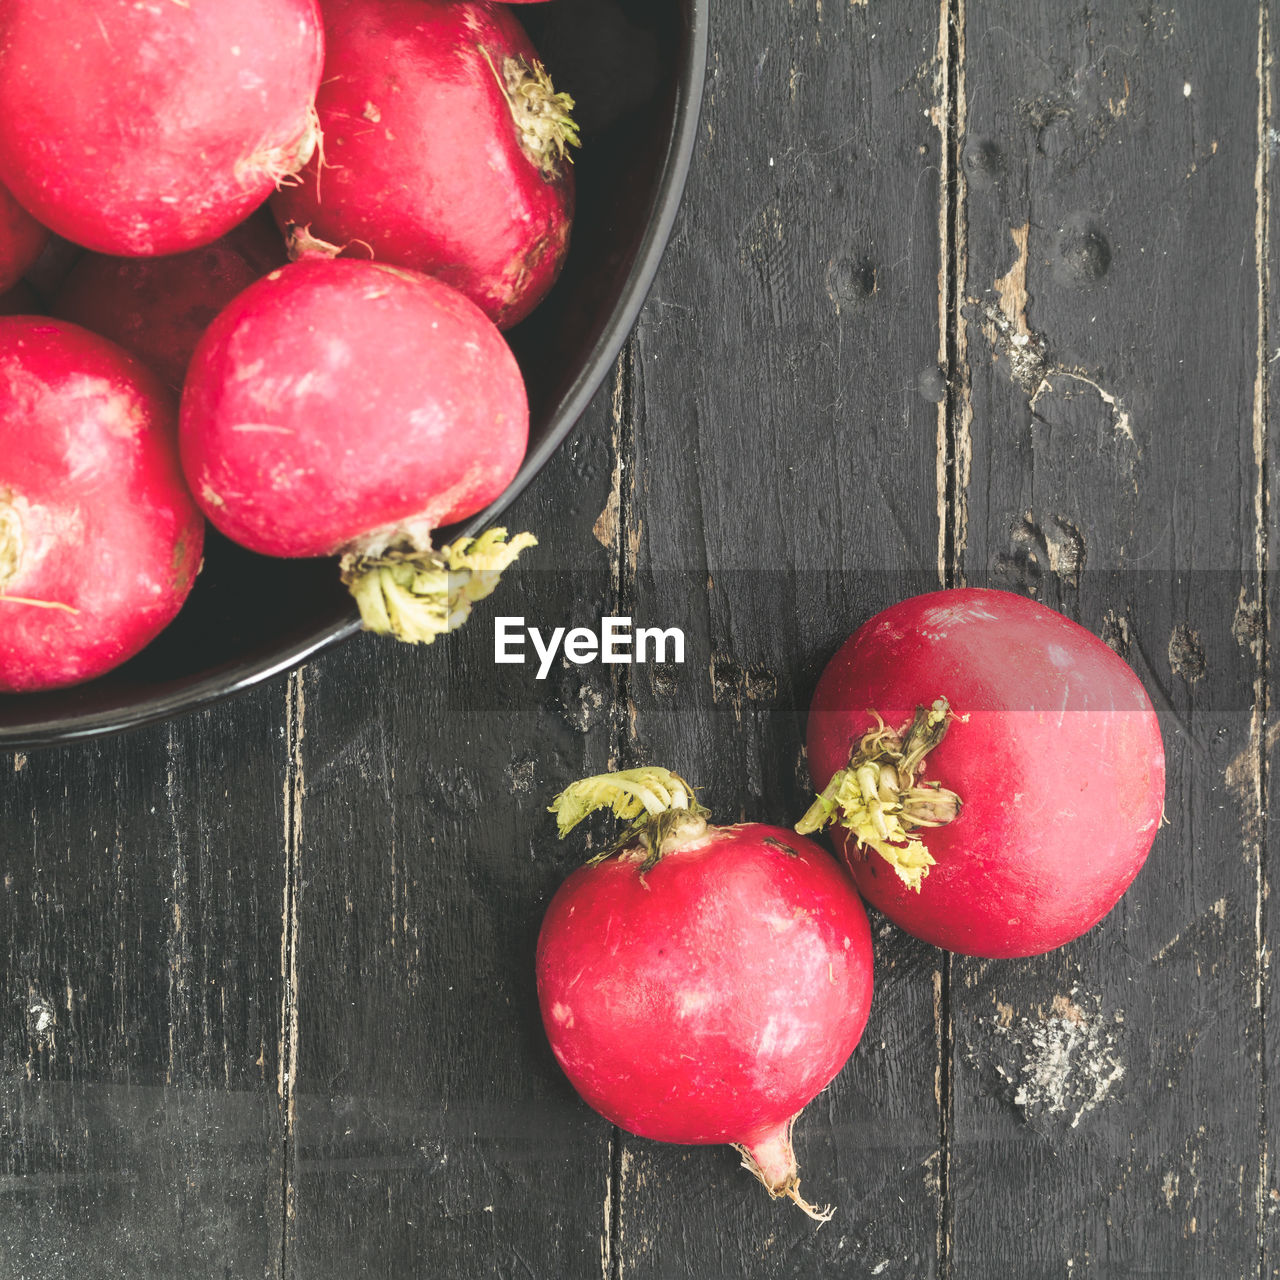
(1106, 1103)
(140, 1126)
(784, 415)
(431, 1130)
(1254, 779)
(960, 292)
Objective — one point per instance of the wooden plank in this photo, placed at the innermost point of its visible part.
(140, 1129)
(433, 1132)
(1106, 1104)
(1253, 775)
(784, 410)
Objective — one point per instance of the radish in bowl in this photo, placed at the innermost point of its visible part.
(149, 128)
(992, 772)
(347, 408)
(446, 150)
(702, 984)
(157, 308)
(99, 539)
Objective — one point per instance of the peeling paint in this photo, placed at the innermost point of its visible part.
(1011, 288)
(1186, 655)
(1005, 325)
(1115, 632)
(1121, 421)
(1247, 624)
(605, 528)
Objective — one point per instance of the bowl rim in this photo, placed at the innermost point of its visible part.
(219, 685)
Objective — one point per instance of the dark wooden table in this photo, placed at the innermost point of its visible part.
(963, 291)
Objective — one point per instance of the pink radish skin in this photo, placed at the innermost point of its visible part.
(99, 538)
(710, 996)
(22, 239)
(218, 99)
(424, 165)
(1053, 750)
(335, 404)
(158, 308)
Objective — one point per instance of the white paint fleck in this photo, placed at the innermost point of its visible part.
(1070, 1057)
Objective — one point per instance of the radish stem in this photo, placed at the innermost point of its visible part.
(11, 541)
(417, 595)
(876, 797)
(543, 117)
(661, 805)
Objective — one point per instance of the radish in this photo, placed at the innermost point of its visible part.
(702, 984)
(149, 128)
(22, 239)
(157, 308)
(99, 539)
(994, 772)
(348, 408)
(446, 150)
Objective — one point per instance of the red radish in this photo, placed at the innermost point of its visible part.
(995, 772)
(150, 128)
(445, 150)
(99, 539)
(157, 308)
(349, 408)
(22, 239)
(702, 984)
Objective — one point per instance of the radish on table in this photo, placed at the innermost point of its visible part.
(99, 539)
(993, 772)
(348, 408)
(702, 984)
(446, 150)
(141, 129)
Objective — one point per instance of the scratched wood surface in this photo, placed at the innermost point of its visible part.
(141, 1130)
(1109, 148)
(821, 374)
(961, 292)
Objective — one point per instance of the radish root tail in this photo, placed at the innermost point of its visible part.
(772, 1160)
(282, 163)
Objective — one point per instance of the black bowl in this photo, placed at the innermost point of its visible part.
(636, 69)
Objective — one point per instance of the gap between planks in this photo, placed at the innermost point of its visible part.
(294, 792)
(953, 471)
(953, 467)
(1260, 715)
(622, 555)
